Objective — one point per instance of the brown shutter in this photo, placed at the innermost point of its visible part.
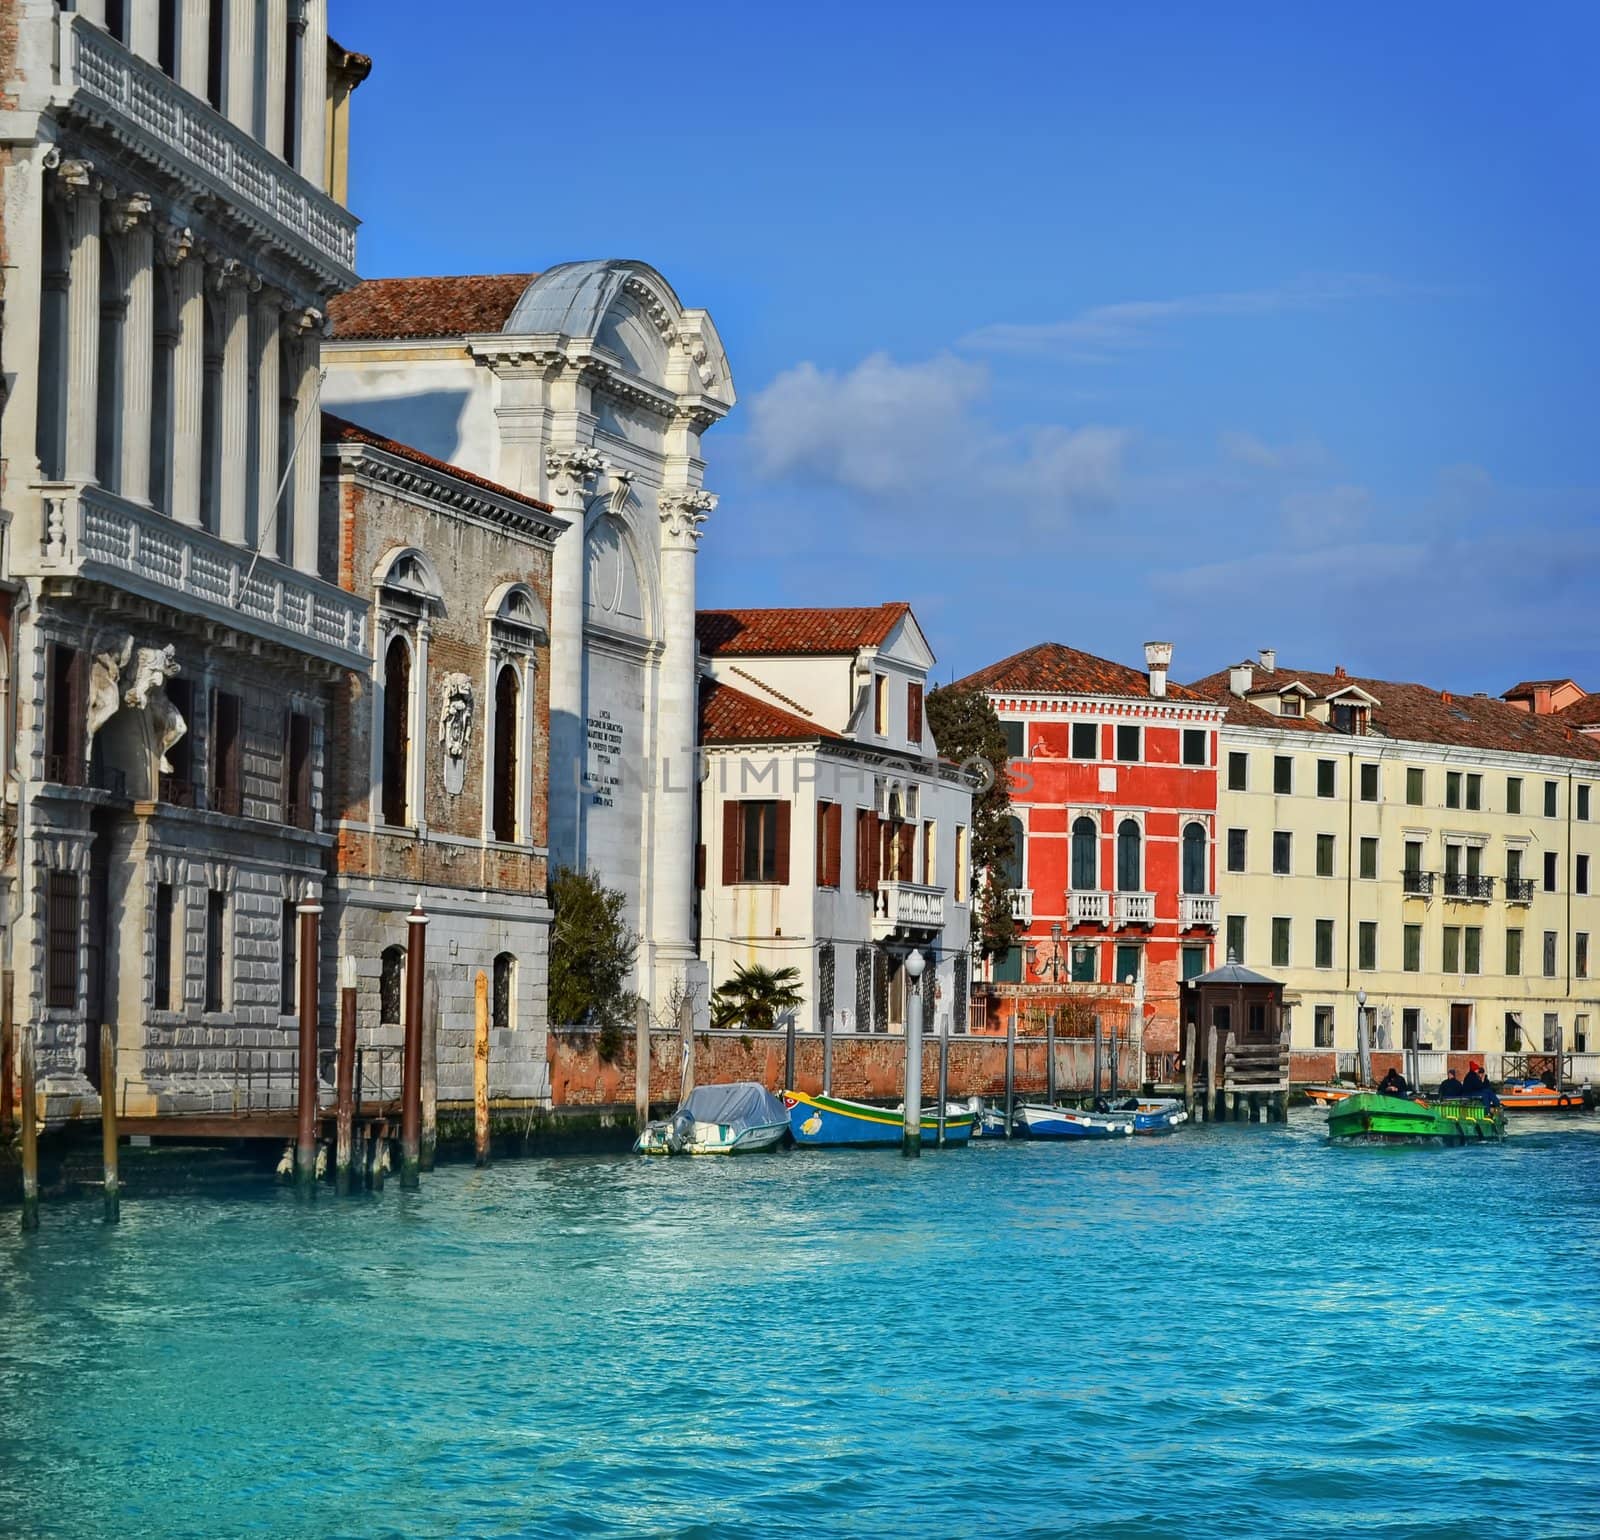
(822, 843)
(908, 851)
(914, 713)
(732, 827)
(835, 825)
(781, 876)
(874, 852)
(700, 866)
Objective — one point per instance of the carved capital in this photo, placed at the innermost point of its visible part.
(127, 213)
(573, 469)
(174, 243)
(77, 177)
(683, 511)
(302, 320)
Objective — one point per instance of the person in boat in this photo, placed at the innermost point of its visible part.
(1393, 1084)
(1450, 1088)
(1475, 1083)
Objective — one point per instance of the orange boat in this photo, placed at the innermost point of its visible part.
(1327, 1095)
(1536, 1096)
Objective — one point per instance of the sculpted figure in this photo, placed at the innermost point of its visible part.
(152, 668)
(112, 650)
(455, 718)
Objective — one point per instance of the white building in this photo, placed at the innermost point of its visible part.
(588, 386)
(835, 839)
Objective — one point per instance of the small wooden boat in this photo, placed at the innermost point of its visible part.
(1536, 1096)
(1039, 1120)
(834, 1120)
(1327, 1095)
(1154, 1114)
(719, 1120)
(1369, 1115)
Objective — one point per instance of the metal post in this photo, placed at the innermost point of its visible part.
(1011, 1067)
(344, 1084)
(1112, 1093)
(480, 1069)
(430, 1069)
(1363, 1047)
(1214, 1079)
(1050, 1057)
(108, 1122)
(305, 1148)
(30, 1137)
(1097, 1059)
(8, 1051)
(1189, 1041)
(911, 1143)
(827, 1054)
(411, 1066)
(788, 1051)
(944, 1071)
(641, 1065)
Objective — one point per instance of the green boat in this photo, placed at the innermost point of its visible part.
(1370, 1115)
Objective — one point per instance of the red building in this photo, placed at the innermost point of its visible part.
(1114, 788)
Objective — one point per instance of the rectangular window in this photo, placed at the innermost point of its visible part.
(1085, 963)
(63, 741)
(1282, 775)
(216, 916)
(1583, 804)
(1236, 850)
(1549, 954)
(1128, 963)
(880, 704)
(1414, 785)
(1324, 855)
(177, 787)
(1513, 953)
(866, 851)
(1550, 799)
(960, 873)
(225, 787)
(1327, 778)
(1194, 961)
(297, 771)
(1452, 788)
(1236, 938)
(1128, 744)
(930, 845)
(1450, 959)
(830, 825)
(1367, 946)
(161, 991)
(1238, 770)
(1369, 783)
(1194, 746)
(1369, 858)
(1410, 1027)
(1474, 793)
(61, 901)
(1552, 865)
(1513, 793)
(1085, 740)
(1580, 875)
(1280, 942)
(288, 1001)
(1411, 957)
(1322, 1027)
(755, 842)
(1580, 1034)
(1513, 1032)
(1580, 954)
(1552, 1032)
(1282, 850)
(914, 715)
(1472, 949)
(1513, 866)
(1324, 943)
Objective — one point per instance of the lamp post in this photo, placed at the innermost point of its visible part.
(1363, 1047)
(912, 1142)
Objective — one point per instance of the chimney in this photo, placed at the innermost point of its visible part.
(1158, 659)
(1338, 671)
(1269, 660)
(1444, 696)
(1240, 677)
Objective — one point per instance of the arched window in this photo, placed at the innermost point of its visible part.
(1130, 861)
(165, 340)
(1194, 858)
(397, 732)
(211, 421)
(51, 431)
(1011, 873)
(108, 380)
(507, 730)
(1085, 856)
(392, 986)
(505, 992)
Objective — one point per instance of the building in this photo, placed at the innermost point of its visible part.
(1114, 790)
(1437, 852)
(440, 753)
(587, 387)
(171, 247)
(835, 840)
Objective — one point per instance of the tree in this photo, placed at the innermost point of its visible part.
(754, 996)
(966, 729)
(591, 957)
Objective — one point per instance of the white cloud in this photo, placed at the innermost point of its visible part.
(1247, 449)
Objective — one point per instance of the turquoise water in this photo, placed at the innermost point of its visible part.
(1236, 1331)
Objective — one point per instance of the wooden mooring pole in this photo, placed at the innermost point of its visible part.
(30, 1138)
(827, 1053)
(1011, 1067)
(1188, 1040)
(641, 1066)
(430, 1070)
(345, 1092)
(480, 1068)
(1097, 1059)
(305, 1145)
(108, 1122)
(1050, 1057)
(944, 1072)
(911, 1143)
(411, 1064)
(8, 1052)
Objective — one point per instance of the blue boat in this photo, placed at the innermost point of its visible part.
(833, 1120)
(1153, 1115)
(1041, 1121)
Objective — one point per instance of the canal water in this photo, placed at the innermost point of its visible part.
(1236, 1331)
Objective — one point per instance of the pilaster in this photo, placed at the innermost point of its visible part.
(275, 75)
(234, 424)
(83, 319)
(193, 45)
(314, 94)
(307, 444)
(188, 375)
(144, 28)
(268, 535)
(239, 53)
(132, 218)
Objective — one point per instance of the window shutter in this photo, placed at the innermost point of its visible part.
(907, 835)
(874, 852)
(835, 826)
(782, 873)
(732, 827)
(700, 866)
(914, 713)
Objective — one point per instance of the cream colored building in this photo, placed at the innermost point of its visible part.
(1440, 853)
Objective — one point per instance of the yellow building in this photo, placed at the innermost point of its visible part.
(1439, 853)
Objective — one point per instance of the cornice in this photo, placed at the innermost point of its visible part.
(1371, 746)
(393, 473)
(1161, 709)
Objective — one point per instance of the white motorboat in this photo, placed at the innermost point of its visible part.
(719, 1120)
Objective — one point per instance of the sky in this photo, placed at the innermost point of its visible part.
(1232, 325)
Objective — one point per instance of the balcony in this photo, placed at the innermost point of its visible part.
(1022, 906)
(900, 907)
(1519, 890)
(1135, 909)
(152, 115)
(1417, 884)
(1197, 911)
(96, 535)
(1088, 908)
(1468, 889)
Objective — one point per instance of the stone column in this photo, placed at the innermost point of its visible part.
(572, 472)
(188, 380)
(308, 450)
(268, 471)
(132, 217)
(93, 10)
(273, 85)
(683, 512)
(144, 28)
(194, 45)
(239, 63)
(83, 319)
(314, 94)
(234, 417)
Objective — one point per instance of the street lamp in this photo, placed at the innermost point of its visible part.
(1363, 1048)
(1054, 966)
(911, 1142)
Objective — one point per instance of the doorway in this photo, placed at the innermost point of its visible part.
(1460, 1026)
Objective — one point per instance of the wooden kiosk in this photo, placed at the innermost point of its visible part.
(1235, 1046)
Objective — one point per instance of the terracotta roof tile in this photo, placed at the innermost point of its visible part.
(1528, 686)
(728, 715)
(1049, 668)
(784, 633)
(1412, 713)
(337, 430)
(1581, 713)
(392, 308)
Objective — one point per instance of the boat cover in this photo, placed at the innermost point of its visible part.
(742, 1105)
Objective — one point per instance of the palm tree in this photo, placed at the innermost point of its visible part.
(754, 996)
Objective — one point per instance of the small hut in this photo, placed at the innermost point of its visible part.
(1236, 1045)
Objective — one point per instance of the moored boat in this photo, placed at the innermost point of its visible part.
(1370, 1115)
(1327, 1095)
(731, 1119)
(1154, 1114)
(835, 1120)
(1039, 1120)
(1536, 1096)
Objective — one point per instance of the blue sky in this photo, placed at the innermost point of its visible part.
(1235, 325)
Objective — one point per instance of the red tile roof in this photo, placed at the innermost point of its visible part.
(1412, 713)
(1581, 713)
(1049, 668)
(1528, 686)
(391, 308)
(787, 633)
(337, 430)
(728, 715)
